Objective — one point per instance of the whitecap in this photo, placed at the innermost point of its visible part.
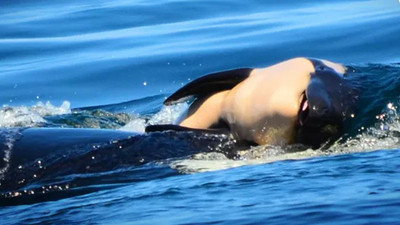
(170, 114)
(30, 116)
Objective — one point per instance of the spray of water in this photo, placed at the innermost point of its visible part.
(24, 116)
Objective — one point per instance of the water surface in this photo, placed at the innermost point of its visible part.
(109, 65)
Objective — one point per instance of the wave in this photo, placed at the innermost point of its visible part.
(30, 116)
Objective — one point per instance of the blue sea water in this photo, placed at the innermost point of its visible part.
(109, 65)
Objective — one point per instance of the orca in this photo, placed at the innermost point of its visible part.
(301, 100)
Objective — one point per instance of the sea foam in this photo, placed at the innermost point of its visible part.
(30, 116)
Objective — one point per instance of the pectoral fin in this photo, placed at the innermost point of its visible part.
(209, 84)
(171, 127)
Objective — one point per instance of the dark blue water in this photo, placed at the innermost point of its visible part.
(358, 188)
(109, 65)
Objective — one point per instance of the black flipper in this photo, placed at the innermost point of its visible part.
(209, 84)
(171, 127)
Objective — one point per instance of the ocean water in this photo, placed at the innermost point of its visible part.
(80, 81)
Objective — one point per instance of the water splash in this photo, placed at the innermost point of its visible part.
(384, 134)
(24, 116)
(136, 125)
(167, 115)
(8, 138)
